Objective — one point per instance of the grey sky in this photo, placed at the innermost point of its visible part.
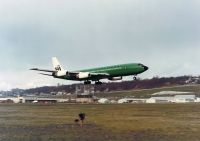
(162, 34)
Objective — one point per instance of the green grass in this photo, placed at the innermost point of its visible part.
(128, 122)
(147, 92)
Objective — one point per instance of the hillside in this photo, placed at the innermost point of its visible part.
(129, 88)
(155, 82)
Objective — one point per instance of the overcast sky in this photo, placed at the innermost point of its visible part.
(162, 34)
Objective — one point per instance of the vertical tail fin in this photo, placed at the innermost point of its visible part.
(56, 64)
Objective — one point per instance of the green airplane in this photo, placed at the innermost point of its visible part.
(115, 72)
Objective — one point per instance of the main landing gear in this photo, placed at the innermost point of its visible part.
(134, 78)
(87, 82)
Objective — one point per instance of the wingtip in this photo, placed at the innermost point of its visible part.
(33, 69)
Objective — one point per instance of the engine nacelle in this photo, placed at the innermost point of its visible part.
(116, 78)
(60, 73)
(82, 75)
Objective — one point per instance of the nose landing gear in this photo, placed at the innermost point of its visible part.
(98, 83)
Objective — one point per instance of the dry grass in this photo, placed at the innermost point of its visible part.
(129, 122)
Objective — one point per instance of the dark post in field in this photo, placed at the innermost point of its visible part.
(82, 117)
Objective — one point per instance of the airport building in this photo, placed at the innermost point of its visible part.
(84, 94)
(104, 101)
(132, 100)
(197, 99)
(184, 98)
(44, 100)
(17, 99)
(173, 99)
(160, 100)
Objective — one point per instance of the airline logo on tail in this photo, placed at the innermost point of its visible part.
(58, 68)
(56, 64)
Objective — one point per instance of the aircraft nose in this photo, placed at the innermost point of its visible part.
(145, 68)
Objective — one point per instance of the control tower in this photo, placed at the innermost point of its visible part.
(84, 93)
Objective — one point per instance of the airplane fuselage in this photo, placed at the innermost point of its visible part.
(113, 71)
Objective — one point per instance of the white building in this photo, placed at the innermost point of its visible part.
(103, 101)
(173, 99)
(160, 100)
(44, 100)
(197, 99)
(123, 100)
(113, 101)
(132, 100)
(184, 98)
(12, 99)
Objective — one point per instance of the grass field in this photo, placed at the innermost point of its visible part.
(127, 122)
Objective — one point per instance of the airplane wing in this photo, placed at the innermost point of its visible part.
(36, 69)
(91, 74)
(46, 74)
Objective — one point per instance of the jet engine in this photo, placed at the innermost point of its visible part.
(81, 75)
(116, 78)
(60, 73)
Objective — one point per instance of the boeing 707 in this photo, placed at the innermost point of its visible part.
(115, 72)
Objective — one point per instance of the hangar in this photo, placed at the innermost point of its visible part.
(17, 99)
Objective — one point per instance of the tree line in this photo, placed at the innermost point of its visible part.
(155, 82)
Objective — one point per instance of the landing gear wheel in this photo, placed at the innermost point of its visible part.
(134, 78)
(87, 82)
(98, 83)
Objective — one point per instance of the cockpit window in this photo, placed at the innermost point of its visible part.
(140, 64)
